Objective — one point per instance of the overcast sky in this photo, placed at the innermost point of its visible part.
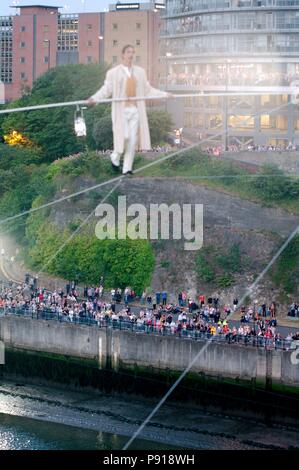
(69, 6)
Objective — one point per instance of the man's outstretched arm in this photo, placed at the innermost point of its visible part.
(104, 92)
(151, 91)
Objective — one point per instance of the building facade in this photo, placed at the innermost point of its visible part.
(138, 24)
(233, 46)
(38, 38)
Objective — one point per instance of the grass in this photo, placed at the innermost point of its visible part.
(192, 165)
(285, 272)
(227, 176)
(218, 266)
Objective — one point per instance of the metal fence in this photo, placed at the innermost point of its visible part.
(141, 328)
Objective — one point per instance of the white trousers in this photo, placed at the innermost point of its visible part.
(131, 125)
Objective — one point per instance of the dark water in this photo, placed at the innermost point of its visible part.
(18, 433)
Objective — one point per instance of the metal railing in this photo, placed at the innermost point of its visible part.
(143, 328)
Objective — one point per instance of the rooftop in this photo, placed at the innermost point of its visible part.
(34, 6)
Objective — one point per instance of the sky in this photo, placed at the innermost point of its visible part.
(69, 6)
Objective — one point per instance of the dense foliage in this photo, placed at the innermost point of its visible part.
(219, 265)
(53, 129)
(121, 262)
(286, 269)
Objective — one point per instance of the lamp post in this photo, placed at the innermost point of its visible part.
(101, 57)
(167, 55)
(47, 41)
(226, 103)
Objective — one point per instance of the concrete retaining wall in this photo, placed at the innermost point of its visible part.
(118, 349)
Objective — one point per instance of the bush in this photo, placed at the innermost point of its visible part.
(215, 264)
(203, 268)
(225, 280)
(122, 262)
(274, 185)
(285, 273)
(231, 261)
(53, 129)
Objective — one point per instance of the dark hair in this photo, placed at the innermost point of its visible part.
(127, 46)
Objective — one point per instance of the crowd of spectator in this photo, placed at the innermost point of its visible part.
(235, 77)
(294, 310)
(203, 316)
(216, 150)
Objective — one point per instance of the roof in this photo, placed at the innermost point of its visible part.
(36, 6)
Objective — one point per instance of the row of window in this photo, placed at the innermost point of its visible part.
(6, 49)
(115, 26)
(115, 42)
(262, 43)
(250, 102)
(23, 60)
(229, 22)
(63, 26)
(116, 59)
(74, 25)
(241, 122)
(175, 7)
(69, 41)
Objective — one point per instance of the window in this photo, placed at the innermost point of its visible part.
(115, 42)
(89, 26)
(138, 59)
(138, 25)
(23, 76)
(46, 59)
(138, 42)
(46, 28)
(6, 49)
(22, 44)
(89, 59)
(89, 43)
(68, 33)
(114, 26)
(22, 60)
(22, 29)
(114, 59)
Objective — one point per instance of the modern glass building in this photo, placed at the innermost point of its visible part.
(233, 45)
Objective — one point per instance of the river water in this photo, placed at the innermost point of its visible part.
(17, 433)
(42, 417)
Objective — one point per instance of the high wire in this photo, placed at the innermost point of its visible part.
(282, 91)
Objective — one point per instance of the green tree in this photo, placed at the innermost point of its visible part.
(160, 124)
(274, 185)
(102, 133)
(53, 129)
(122, 262)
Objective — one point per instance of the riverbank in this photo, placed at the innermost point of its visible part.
(176, 424)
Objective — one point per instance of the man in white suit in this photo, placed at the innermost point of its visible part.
(129, 118)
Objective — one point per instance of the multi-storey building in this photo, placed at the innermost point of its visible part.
(39, 37)
(233, 46)
(138, 24)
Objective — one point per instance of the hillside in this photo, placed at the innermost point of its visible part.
(248, 211)
(240, 235)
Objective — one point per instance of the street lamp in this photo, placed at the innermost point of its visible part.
(167, 56)
(101, 56)
(178, 136)
(47, 41)
(226, 103)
